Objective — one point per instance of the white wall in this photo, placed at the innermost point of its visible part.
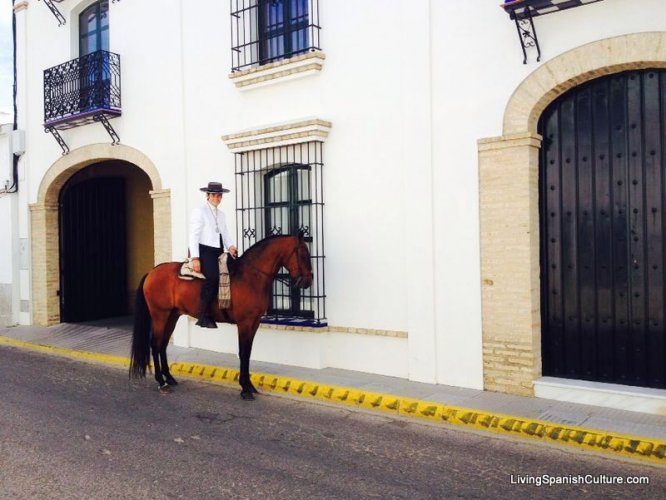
(9, 243)
(409, 87)
(5, 203)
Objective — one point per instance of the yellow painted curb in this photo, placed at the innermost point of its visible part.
(62, 351)
(546, 432)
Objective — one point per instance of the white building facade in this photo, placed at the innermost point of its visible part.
(405, 137)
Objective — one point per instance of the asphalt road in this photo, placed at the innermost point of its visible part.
(70, 429)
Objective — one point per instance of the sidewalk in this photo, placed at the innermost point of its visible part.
(613, 432)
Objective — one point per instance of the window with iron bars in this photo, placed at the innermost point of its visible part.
(264, 31)
(280, 191)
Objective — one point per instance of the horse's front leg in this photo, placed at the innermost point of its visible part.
(245, 339)
(164, 365)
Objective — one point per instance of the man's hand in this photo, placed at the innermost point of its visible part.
(233, 251)
(196, 265)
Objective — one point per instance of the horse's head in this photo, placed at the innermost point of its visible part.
(298, 263)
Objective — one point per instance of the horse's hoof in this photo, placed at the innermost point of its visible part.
(253, 390)
(171, 381)
(247, 396)
(165, 389)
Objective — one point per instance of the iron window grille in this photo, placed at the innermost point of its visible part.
(77, 91)
(280, 191)
(264, 31)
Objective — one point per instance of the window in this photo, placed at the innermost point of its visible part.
(283, 28)
(279, 191)
(95, 70)
(94, 28)
(264, 31)
(287, 211)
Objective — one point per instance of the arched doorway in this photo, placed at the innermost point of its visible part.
(509, 204)
(149, 216)
(601, 177)
(105, 239)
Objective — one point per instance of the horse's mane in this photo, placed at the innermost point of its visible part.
(249, 254)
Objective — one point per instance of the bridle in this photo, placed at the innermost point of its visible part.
(285, 281)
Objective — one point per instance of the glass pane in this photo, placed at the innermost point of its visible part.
(105, 39)
(279, 188)
(299, 40)
(85, 46)
(89, 20)
(303, 190)
(274, 47)
(274, 15)
(299, 11)
(304, 216)
(104, 14)
(279, 221)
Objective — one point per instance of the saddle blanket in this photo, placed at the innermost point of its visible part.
(224, 289)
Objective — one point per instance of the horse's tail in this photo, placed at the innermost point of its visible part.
(140, 356)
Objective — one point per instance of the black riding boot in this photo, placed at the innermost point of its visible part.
(205, 320)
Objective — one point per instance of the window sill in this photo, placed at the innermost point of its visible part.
(279, 71)
(326, 328)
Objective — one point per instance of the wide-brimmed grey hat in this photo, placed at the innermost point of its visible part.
(214, 187)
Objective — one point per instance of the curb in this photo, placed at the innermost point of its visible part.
(617, 445)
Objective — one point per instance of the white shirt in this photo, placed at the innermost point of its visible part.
(204, 221)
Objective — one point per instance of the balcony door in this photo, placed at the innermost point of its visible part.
(95, 73)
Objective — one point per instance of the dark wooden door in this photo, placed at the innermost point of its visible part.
(93, 250)
(602, 176)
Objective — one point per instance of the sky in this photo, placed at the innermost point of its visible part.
(6, 74)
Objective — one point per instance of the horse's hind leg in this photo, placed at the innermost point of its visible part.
(160, 321)
(164, 363)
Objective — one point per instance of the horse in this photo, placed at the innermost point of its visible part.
(162, 297)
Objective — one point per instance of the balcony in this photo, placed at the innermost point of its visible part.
(523, 12)
(81, 91)
(521, 9)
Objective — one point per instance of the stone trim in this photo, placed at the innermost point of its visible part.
(287, 69)
(295, 132)
(45, 272)
(162, 225)
(337, 329)
(510, 290)
(590, 61)
(509, 209)
(509, 141)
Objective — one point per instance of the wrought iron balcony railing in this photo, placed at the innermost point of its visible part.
(82, 90)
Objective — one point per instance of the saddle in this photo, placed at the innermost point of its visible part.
(186, 272)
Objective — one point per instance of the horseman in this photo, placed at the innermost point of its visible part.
(209, 236)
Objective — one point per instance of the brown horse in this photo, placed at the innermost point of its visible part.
(162, 298)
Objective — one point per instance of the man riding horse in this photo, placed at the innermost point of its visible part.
(209, 236)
